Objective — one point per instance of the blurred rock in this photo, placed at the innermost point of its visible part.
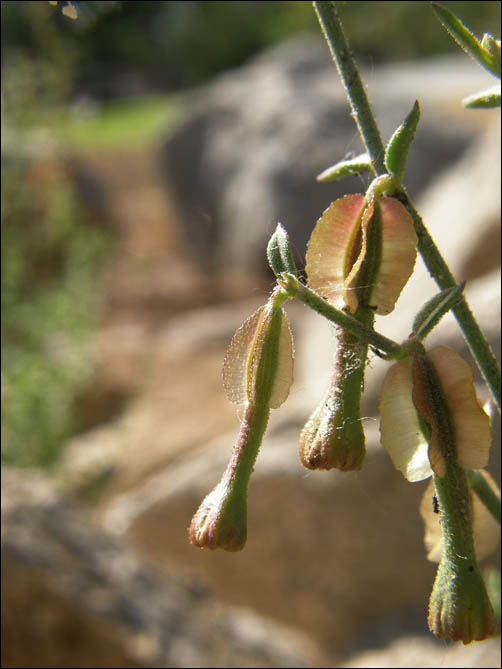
(410, 651)
(248, 155)
(72, 596)
(332, 554)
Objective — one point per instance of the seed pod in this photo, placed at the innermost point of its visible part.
(411, 430)
(362, 253)
(258, 366)
(257, 372)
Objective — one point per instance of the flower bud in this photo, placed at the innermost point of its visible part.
(257, 372)
(459, 606)
(279, 253)
(333, 436)
(221, 519)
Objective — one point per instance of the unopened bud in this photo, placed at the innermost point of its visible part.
(257, 372)
(333, 437)
(459, 607)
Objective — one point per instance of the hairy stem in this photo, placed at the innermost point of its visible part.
(361, 330)
(473, 334)
(333, 31)
(349, 73)
(485, 493)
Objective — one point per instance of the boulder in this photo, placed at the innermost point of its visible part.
(248, 153)
(416, 651)
(74, 596)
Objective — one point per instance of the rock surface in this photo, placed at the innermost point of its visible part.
(74, 596)
(248, 155)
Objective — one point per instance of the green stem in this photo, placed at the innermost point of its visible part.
(349, 73)
(253, 426)
(456, 514)
(438, 268)
(485, 493)
(296, 289)
(474, 336)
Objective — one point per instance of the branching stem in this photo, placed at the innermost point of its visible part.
(361, 109)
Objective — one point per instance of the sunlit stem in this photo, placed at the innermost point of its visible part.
(331, 25)
(297, 289)
(485, 493)
(332, 28)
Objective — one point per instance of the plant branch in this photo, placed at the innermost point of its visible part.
(485, 493)
(349, 73)
(474, 336)
(437, 266)
(295, 288)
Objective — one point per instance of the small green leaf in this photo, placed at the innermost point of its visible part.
(466, 39)
(484, 99)
(434, 310)
(399, 144)
(280, 256)
(347, 168)
(492, 46)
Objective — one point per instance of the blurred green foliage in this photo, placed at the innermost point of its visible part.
(50, 253)
(50, 300)
(133, 121)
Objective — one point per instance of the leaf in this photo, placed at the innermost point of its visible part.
(399, 252)
(329, 251)
(248, 347)
(488, 99)
(472, 425)
(346, 168)
(466, 39)
(433, 310)
(400, 430)
(396, 154)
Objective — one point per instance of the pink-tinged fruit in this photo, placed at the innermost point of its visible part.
(337, 249)
(405, 396)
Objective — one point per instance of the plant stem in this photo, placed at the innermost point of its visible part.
(349, 73)
(474, 336)
(438, 268)
(485, 493)
(296, 289)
